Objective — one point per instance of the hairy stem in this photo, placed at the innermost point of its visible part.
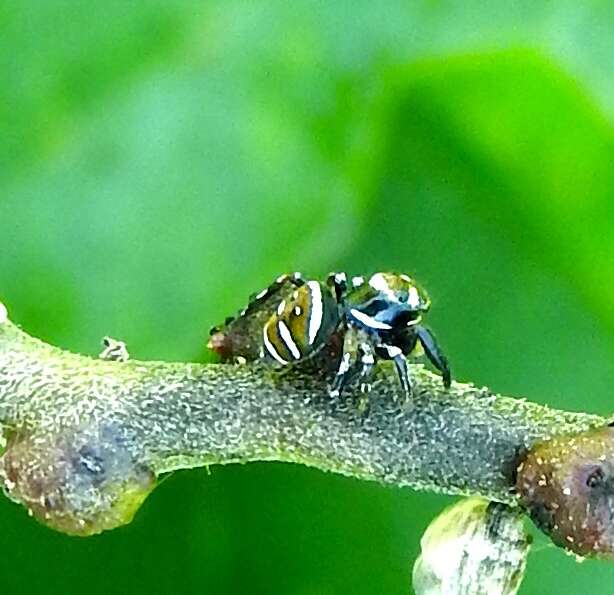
(83, 433)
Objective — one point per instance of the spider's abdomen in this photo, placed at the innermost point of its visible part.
(301, 325)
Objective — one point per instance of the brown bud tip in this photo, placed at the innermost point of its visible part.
(567, 486)
(81, 483)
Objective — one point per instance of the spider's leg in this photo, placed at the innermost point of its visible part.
(367, 367)
(434, 353)
(400, 363)
(338, 284)
(347, 364)
(406, 342)
(295, 278)
(367, 360)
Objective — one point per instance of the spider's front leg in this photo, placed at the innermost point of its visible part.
(434, 353)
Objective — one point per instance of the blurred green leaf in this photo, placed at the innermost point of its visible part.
(162, 160)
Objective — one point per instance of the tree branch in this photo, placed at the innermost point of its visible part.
(86, 438)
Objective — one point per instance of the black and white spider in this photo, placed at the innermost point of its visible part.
(379, 318)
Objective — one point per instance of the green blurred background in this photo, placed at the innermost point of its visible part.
(161, 160)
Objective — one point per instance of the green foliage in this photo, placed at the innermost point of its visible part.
(162, 160)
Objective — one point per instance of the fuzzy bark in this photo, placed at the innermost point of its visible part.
(167, 416)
